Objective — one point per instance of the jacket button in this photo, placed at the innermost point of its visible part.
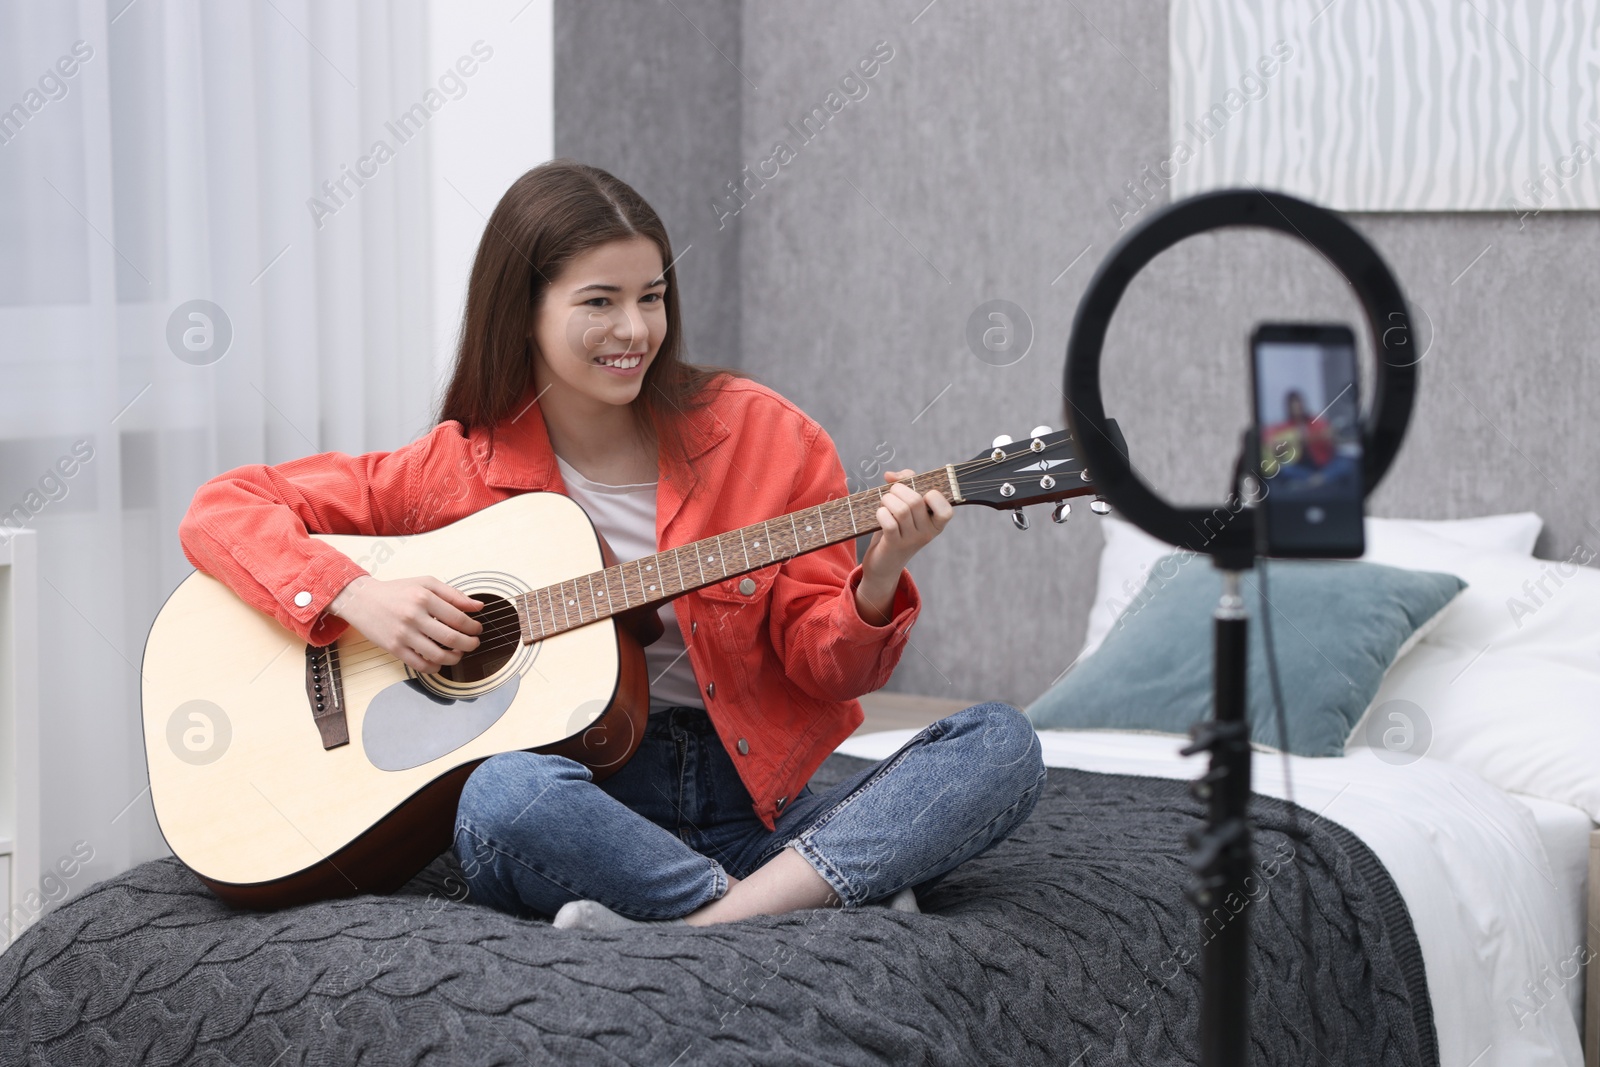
(711, 689)
(694, 627)
(781, 802)
(302, 599)
(747, 586)
(744, 747)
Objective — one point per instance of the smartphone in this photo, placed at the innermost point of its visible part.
(1308, 429)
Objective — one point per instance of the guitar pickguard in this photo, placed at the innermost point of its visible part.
(407, 725)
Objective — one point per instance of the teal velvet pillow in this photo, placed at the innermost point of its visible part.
(1336, 627)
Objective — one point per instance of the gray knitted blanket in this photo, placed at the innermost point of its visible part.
(1070, 943)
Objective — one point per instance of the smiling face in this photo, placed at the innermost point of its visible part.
(599, 326)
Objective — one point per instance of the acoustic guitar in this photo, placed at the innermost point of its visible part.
(283, 772)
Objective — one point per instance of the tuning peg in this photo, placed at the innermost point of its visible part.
(1099, 507)
(1001, 441)
(1060, 512)
(1018, 519)
(1040, 431)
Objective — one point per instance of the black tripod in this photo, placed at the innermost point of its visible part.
(1221, 859)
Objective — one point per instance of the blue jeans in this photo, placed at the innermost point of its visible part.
(659, 838)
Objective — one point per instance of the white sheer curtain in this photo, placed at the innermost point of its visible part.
(174, 163)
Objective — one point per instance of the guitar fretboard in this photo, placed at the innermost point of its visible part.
(602, 594)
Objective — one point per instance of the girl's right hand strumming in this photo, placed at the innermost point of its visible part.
(420, 621)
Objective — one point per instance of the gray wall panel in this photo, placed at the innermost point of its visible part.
(980, 163)
(977, 170)
(649, 90)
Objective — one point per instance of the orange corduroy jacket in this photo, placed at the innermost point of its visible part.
(780, 667)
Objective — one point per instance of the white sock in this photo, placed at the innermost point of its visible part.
(593, 915)
(905, 900)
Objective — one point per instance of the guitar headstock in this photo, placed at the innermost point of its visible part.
(1037, 469)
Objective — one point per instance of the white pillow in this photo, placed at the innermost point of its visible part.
(1508, 683)
(1515, 533)
(1130, 553)
(1507, 679)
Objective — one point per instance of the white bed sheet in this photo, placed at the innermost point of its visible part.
(1469, 860)
(1564, 831)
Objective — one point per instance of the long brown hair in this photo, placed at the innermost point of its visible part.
(551, 214)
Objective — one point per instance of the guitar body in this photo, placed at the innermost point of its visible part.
(271, 803)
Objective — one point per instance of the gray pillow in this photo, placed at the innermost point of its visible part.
(1336, 627)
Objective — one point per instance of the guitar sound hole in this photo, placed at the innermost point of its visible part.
(501, 633)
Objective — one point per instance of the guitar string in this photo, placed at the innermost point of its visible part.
(511, 610)
(508, 616)
(505, 614)
(498, 624)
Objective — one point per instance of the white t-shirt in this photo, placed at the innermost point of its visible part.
(626, 516)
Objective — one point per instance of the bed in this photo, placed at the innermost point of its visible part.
(1068, 943)
(1494, 883)
(1447, 928)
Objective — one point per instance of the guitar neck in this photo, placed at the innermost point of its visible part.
(653, 579)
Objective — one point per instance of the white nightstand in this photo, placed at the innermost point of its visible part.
(19, 731)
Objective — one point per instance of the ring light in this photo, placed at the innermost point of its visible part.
(1394, 388)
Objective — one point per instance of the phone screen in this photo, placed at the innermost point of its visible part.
(1308, 421)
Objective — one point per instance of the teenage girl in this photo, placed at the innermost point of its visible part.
(569, 378)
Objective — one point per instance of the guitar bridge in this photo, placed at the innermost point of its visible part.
(325, 692)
